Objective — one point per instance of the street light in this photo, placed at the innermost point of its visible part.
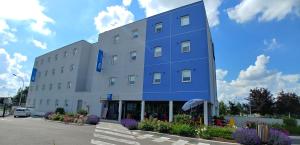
(22, 87)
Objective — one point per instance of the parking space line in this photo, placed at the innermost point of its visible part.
(116, 139)
(115, 133)
(115, 130)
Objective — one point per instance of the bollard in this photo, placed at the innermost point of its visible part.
(263, 132)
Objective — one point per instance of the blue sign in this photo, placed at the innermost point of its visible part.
(109, 97)
(33, 75)
(99, 61)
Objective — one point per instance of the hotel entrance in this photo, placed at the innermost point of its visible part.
(112, 110)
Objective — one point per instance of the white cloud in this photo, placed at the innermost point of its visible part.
(153, 7)
(26, 10)
(113, 17)
(127, 2)
(6, 33)
(11, 64)
(39, 44)
(265, 10)
(257, 75)
(272, 44)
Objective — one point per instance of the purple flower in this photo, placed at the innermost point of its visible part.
(246, 136)
(129, 123)
(277, 137)
(92, 119)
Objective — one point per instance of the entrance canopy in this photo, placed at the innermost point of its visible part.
(191, 104)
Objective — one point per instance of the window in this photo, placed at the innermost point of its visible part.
(135, 33)
(186, 76)
(48, 101)
(185, 20)
(116, 38)
(157, 51)
(114, 59)
(158, 27)
(69, 85)
(59, 86)
(41, 101)
(56, 57)
(185, 46)
(49, 59)
(53, 71)
(62, 69)
(50, 87)
(131, 79)
(156, 78)
(46, 73)
(74, 51)
(56, 102)
(112, 81)
(65, 54)
(43, 87)
(66, 103)
(133, 55)
(72, 67)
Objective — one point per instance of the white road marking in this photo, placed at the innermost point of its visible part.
(180, 142)
(114, 133)
(116, 139)
(161, 139)
(202, 143)
(145, 136)
(115, 130)
(97, 142)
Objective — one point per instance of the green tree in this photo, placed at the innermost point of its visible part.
(21, 93)
(235, 109)
(223, 108)
(287, 103)
(261, 101)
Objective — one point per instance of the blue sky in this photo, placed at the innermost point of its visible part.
(256, 42)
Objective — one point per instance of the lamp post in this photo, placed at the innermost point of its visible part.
(20, 99)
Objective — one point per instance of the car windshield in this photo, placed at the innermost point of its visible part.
(20, 109)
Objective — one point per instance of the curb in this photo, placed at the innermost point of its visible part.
(74, 124)
(200, 139)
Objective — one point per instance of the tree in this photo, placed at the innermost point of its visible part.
(287, 103)
(20, 93)
(223, 108)
(235, 109)
(261, 101)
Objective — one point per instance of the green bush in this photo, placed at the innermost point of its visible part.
(148, 124)
(222, 132)
(290, 122)
(182, 119)
(293, 130)
(70, 114)
(183, 130)
(82, 112)
(60, 111)
(163, 127)
(57, 117)
(202, 132)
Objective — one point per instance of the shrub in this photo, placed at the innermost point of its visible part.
(290, 122)
(202, 132)
(70, 114)
(47, 115)
(68, 119)
(222, 132)
(251, 124)
(129, 123)
(246, 137)
(163, 127)
(182, 119)
(183, 130)
(57, 117)
(277, 137)
(60, 111)
(148, 124)
(92, 119)
(294, 130)
(82, 112)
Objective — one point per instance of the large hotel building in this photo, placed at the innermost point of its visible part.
(150, 67)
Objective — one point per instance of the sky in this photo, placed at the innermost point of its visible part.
(256, 41)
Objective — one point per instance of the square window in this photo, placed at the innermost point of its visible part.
(133, 55)
(72, 67)
(131, 79)
(62, 69)
(135, 33)
(56, 57)
(185, 46)
(56, 102)
(65, 54)
(157, 51)
(186, 76)
(116, 38)
(156, 78)
(158, 27)
(185, 20)
(74, 51)
(114, 59)
(69, 85)
(112, 81)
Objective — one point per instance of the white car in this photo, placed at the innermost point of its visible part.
(22, 112)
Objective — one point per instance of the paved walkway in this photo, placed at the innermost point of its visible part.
(115, 134)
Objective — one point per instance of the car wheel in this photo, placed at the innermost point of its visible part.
(15, 116)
